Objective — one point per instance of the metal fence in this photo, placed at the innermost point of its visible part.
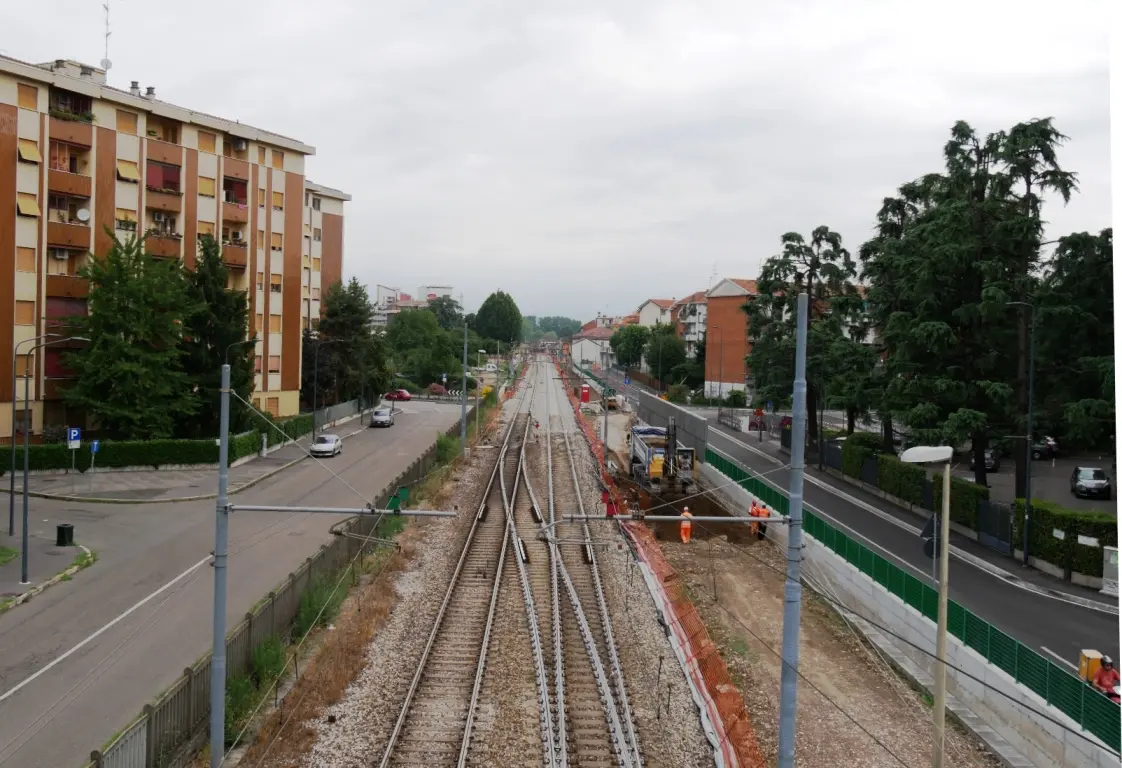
(169, 733)
(1066, 692)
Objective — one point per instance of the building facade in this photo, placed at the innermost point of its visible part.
(654, 311)
(726, 342)
(78, 158)
(592, 348)
(688, 316)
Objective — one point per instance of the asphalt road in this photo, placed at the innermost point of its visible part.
(77, 704)
(1018, 612)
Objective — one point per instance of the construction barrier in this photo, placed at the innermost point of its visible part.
(721, 701)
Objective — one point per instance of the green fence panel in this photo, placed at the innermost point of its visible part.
(1032, 671)
(1065, 692)
(896, 582)
(852, 551)
(1003, 651)
(866, 558)
(913, 592)
(977, 634)
(930, 602)
(881, 569)
(956, 620)
(1100, 717)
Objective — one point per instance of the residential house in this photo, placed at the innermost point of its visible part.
(654, 311)
(688, 317)
(592, 348)
(726, 343)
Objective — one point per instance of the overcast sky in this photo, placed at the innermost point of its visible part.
(590, 155)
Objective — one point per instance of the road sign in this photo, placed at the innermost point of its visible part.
(770, 407)
(444, 378)
(759, 411)
(627, 380)
(94, 446)
(74, 437)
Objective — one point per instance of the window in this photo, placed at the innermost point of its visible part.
(274, 323)
(28, 96)
(58, 263)
(23, 420)
(275, 283)
(64, 209)
(206, 186)
(278, 159)
(67, 158)
(277, 241)
(54, 365)
(29, 151)
(257, 364)
(25, 365)
(25, 313)
(315, 203)
(25, 259)
(317, 234)
(307, 230)
(278, 201)
(274, 365)
(206, 141)
(304, 323)
(272, 405)
(315, 264)
(260, 155)
(126, 122)
(307, 277)
(235, 191)
(74, 105)
(125, 219)
(260, 238)
(163, 129)
(260, 281)
(258, 323)
(315, 294)
(206, 228)
(26, 204)
(164, 224)
(161, 177)
(127, 170)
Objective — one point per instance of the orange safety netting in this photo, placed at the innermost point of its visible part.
(723, 700)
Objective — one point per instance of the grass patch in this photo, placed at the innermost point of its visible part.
(85, 559)
(738, 646)
(447, 448)
(241, 697)
(318, 605)
(7, 555)
(269, 660)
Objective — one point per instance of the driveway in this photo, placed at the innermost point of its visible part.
(1050, 481)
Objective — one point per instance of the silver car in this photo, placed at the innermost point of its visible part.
(382, 417)
(327, 445)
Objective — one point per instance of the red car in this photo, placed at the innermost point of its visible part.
(398, 394)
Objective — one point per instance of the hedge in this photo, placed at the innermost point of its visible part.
(293, 428)
(904, 481)
(1066, 553)
(858, 447)
(965, 498)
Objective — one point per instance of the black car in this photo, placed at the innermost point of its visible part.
(1090, 483)
(1045, 448)
(993, 463)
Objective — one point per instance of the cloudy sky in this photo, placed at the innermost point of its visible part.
(585, 156)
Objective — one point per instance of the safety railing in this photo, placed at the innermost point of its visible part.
(1094, 712)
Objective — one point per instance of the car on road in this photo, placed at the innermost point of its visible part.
(399, 394)
(382, 416)
(1090, 483)
(327, 445)
(1045, 448)
(993, 463)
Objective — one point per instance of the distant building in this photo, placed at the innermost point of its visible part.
(430, 292)
(688, 316)
(655, 311)
(389, 301)
(726, 342)
(592, 348)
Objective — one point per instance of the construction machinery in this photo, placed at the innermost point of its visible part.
(650, 466)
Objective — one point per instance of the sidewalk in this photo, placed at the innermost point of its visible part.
(46, 561)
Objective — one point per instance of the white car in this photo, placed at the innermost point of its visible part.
(327, 445)
(382, 417)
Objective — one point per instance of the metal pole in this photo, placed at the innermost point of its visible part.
(221, 523)
(315, 388)
(12, 444)
(792, 591)
(464, 396)
(26, 466)
(939, 711)
(1028, 434)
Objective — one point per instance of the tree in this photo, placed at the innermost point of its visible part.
(825, 270)
(422, 351)
(628, 343)
(129, 375)
(220, 319)
(448, 312)
(499, 318)
(664, 351)
(562, 326)
(356, 363)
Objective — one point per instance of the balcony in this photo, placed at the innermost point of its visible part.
(235, 169)
(164, 200)
(71, 131)
(163, 152)
(69, 183)
(68, 235)
(67, 287)
(235, 213)
(163, 246)
(235, 255)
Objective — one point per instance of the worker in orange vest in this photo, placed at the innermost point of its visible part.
(753, 513)
(686, 527)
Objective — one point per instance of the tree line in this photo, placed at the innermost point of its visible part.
(932, 324)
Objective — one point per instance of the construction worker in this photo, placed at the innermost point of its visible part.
(753, 513)
(686, 527)
(764, 513)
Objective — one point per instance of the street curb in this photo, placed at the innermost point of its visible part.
(974, 560)
(202, 497)
(23, 598)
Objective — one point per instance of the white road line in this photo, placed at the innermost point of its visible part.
(1060, 658)
(28, 680)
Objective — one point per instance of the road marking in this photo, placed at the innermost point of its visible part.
(1059, 658)
(28, 680)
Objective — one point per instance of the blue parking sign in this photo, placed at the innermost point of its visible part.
(73, 434)
(94, 446)
(627, 380)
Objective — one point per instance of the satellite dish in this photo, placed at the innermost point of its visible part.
(106, 64)
(83, 215)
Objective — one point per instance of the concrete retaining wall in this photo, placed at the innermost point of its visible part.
(693, 431)
(1020, 717)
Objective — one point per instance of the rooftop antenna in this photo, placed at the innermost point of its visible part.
(713, 276)
(106, 64)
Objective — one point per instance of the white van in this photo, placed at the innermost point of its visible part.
(492, 368)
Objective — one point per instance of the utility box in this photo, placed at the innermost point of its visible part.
(584, 393)
(1089, 663)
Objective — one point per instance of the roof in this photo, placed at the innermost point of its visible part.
(595, 334)
(588, 326)
(92, 88)
(697, 297)
(631, 319)
(748, 285)
(660, 303)
(323, 191)
(732, 286)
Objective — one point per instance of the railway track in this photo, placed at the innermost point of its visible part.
(434, 724)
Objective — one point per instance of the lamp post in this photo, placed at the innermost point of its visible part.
(1028, 423)
(26, 440)
(929, 454)
(478, 388)
(315, 381)
(12, 443)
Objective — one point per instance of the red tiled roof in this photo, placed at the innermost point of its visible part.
(597, 334)
(697, 297)
(630, 319)
(588, 326)
(748, 285)
(662, 303)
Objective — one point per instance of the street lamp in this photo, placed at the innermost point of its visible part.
(315, 381)
(1028, 423)
(12, 443)
(26, 442)
(479, 358)
(930, 454)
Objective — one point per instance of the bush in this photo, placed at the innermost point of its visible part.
(858, 447)
(318, 605)
(268, 661)
(491, 399)
(1066, 553)
(293, 428)
(736, 399)
(245, 444)
(447, 448)
(965, 498)
(240, 696)
(904, 481)
(407, 385)
(437, 389)
(678, 393)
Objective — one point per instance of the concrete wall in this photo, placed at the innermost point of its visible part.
(1021, 717)
(693, 431)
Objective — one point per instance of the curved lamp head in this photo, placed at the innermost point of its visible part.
(927, 454)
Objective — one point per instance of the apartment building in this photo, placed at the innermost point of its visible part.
(726, 340)
(688, 316)
(78, 157)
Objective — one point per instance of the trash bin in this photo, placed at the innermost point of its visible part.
(64, 535)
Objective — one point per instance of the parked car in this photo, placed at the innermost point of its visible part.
(1090, 483)
(327, 445)
(382, 416)
(398, 394)
(1045, 448)
(993, 463)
